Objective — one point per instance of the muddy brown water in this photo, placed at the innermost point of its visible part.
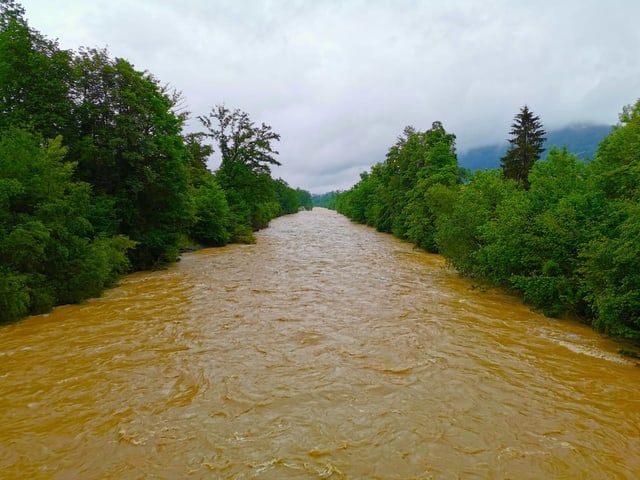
(325, 350)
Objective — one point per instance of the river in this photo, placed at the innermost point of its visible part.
(325, 350)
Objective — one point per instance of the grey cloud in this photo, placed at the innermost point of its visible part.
(339, 80)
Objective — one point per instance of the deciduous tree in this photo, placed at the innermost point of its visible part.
(35, 77)
(245, 170)
(131, 150)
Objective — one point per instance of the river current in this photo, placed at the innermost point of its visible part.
(325, 350)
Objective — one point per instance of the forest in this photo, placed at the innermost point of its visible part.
(98, 176)
(561, 232)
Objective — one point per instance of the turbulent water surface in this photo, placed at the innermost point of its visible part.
(326, 350)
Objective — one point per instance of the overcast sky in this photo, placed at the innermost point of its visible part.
(339, 80)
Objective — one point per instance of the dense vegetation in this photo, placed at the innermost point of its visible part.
(567, 239)
(98, 178)
(325, 200)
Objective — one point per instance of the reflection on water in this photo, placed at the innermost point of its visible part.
(326, 350)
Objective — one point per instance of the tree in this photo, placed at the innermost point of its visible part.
(49, 251)
(199, 152)
(287, 198)
(611, 274)
(10, 9)
(459, 234)
(240, 141)
(304, 199)
(211, 226)
(403, 194)
(245, 169)
(527, 138)
(611, 261)
(131, 151)
(437, 168)
(35, 77)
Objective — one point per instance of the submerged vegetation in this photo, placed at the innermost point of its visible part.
(98, 177)
(562, 232)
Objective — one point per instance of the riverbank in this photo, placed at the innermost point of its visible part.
(325, 346)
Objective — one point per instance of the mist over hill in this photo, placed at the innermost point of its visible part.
(581, 139)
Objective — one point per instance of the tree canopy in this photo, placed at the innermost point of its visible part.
(402, 194)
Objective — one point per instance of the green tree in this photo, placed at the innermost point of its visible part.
(131, 151)
(245, 170)
(429, 195)
(240, 140)
(397, 176)
(35, 77)
(611, 260)
(355, 202)
(287, 197)
(49, 250)
(526, 146)
(304, 199)
(459, 234)
(558, 227)
(212, 223)
(611, 274)
(402, 194)
(199, 153)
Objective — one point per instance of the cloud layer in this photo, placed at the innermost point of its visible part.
(339, 80)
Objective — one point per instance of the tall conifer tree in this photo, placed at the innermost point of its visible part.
(527, 139)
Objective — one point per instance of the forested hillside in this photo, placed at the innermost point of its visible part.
(581, 139)
(99, 178)
(567, 239)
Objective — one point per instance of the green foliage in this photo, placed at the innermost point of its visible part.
(35, 77)
(245, 173)
(304, 199)
(570, 243)
(403, 195)
(48, 248)
(532, 242)
(198, 153)
(459, 234)
(212, 215)
(353, 203)
(527, 140)
(131, 149)
(611, 274)
(431, 195)
(263, 213)
(242, 234)
(240, 140)
(14, 295)
(611, 260)
(287, 198)
(325, 200)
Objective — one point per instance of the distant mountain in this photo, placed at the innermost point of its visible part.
(581, 139)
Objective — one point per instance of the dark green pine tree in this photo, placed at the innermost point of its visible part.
(527, 138)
